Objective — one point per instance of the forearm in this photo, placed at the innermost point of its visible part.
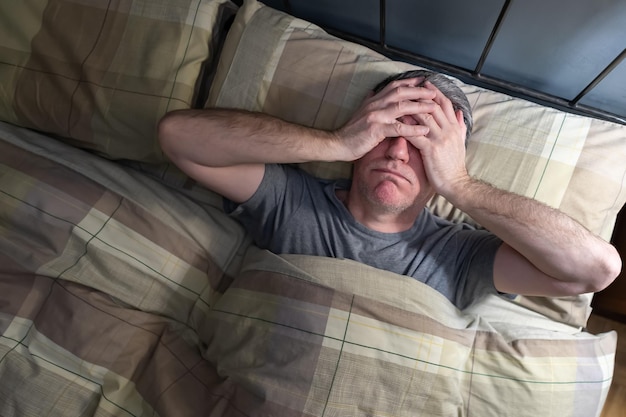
(553, 242)
(221, 137)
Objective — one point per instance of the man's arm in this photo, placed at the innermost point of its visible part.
(559, 256)
(226, 150)
(545, 252)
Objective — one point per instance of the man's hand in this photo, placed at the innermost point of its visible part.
(377, 118)
(443, 147)
(545, 252)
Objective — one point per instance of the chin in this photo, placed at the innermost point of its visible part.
(390, 204)
(386, 196)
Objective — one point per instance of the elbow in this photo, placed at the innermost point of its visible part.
(168, 130)
(165, 132)
(609, 268)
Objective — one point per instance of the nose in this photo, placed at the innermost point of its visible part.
(398, 149)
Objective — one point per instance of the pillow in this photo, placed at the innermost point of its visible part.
(290, 68)
(102, 74)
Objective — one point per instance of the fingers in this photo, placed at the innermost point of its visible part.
(399, 128)
(406, 82)
(443, 121)
(409, 108)
(381, 114)
(406, 90)
(413, 97)
(461, 121)
(400, 99)
(443, 113)
(443, 101)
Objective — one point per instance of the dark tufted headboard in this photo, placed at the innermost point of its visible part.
(565, 53)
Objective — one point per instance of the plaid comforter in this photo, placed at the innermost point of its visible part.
(124, 295)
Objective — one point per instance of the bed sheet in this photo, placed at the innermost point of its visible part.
(123, 296)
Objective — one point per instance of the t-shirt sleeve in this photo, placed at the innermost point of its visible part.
(476, 251)
(279, 195)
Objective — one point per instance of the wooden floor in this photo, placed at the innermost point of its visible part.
(616, 402)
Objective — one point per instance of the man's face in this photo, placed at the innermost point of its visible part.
(391, 176)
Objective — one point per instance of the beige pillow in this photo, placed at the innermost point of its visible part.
(290, 68)
(102, 74)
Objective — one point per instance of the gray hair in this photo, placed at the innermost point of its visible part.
(445, 85)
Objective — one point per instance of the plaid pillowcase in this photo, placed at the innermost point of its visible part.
(101, 74)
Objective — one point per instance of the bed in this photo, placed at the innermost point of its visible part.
(125, 290)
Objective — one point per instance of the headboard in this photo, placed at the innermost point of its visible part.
(567, 54)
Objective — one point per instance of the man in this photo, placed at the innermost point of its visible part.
(408, 142)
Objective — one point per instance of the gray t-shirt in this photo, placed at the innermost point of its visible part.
(295, 213)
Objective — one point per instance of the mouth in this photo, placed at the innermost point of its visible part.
(391, 172)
